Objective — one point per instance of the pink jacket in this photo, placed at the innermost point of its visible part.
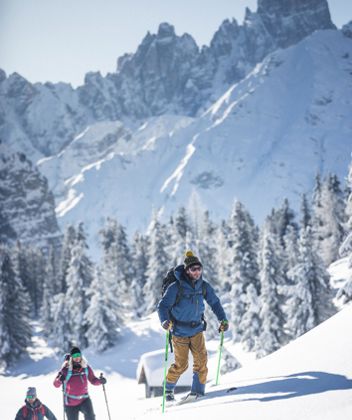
(76, 387)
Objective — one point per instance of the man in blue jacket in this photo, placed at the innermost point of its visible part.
(181, 310)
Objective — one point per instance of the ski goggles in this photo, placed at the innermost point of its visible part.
(30, 397)
(195, 268)
(76, 355)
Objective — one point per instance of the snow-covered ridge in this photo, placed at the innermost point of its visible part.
(265, 139)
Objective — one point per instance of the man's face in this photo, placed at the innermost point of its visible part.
(31, 399)
(194, 272)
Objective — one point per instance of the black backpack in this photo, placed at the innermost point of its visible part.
(171, 278)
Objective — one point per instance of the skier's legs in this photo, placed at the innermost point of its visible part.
(87, 409)
(181, 349)
(200, 359)
(72, 412)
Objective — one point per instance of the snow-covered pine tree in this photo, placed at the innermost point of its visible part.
(251, 322)
(309, 296)
(244, 268)
(328, 218)
(140, 263)
(79, 278)
(61, 331)
(101, 317)
(271, 277)
(65, 257)
(30, 265)
(306, 217)
(15, 328)
(158, 265)
(344, 294)
(207, 246)
(117, 262)
(50, 288)
(181, 237)
(223, 257)
(282, 220)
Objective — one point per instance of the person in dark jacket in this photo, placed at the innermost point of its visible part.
(33, 408)
(181, 310)
(73, 377)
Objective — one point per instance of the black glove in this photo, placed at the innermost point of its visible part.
(102, 380)
(224, 325)
(61, 377)
(167, 324)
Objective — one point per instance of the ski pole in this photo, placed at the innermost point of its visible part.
(63, 402)
(106, 400)
(220, 353)
(165, 368)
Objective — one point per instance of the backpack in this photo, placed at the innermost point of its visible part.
(25, 410)
(171, 278)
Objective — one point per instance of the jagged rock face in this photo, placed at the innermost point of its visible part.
(288, 21)
(46, 115)
(347, 29)
(167, 74)
(154, 80)
(26, 202)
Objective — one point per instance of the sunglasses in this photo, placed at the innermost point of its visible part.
(30, 397)
(76, 355)
(195, 268)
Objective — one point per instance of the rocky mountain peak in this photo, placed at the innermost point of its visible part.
(166, 30)
(289, 21)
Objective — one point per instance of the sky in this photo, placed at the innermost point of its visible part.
(61, 40)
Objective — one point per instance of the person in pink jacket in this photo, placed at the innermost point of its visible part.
(73, 377)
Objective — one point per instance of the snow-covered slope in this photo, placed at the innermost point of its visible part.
(263, 140)
(311, 379)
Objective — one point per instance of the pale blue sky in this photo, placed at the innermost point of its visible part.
(61, 40)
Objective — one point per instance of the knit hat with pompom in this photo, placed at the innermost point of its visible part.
(191, 259)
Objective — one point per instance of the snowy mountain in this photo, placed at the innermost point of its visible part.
(167, 74)
(309, 378)
(264, 139)
(232, 119)
(27, 206)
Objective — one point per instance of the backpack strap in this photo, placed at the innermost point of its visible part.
(68, 377)
(24, 411)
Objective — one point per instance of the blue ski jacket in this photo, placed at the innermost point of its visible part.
(183, 303)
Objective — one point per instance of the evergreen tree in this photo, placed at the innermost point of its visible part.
(30, 265)
(49, 290)
(61, 331)
(181, 237)
(309, 297)
(15, 329)
(271, 278)
(206, 244)
(244, 267)
(110, 271)
(140, 263)
(328, 219)
(223, 257)
(101, 316)
(344, 294)
(79, 278)
(117, 262)
(251, 322)
(65, 258)
(306, 218)
(282, 221)
(158, 265)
